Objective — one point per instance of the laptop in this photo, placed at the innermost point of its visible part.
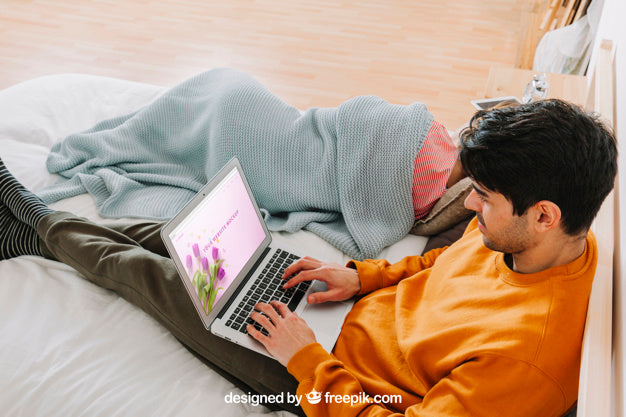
(228, 263)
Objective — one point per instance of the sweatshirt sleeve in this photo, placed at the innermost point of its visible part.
(490, 385)
(376, 274)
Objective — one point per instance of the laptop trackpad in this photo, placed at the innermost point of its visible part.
(326, 318)
(321, 316)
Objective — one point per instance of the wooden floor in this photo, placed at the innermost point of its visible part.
(309, 53)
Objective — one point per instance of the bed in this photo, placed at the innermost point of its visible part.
(69, 347)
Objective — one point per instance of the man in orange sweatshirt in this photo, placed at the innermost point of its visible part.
(493, 324)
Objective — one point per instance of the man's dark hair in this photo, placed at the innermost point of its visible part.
(546, 150)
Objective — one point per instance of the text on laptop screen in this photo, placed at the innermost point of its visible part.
(217, 238)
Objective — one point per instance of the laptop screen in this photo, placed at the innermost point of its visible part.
(217, 238)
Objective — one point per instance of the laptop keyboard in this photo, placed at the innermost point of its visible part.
(268, 286)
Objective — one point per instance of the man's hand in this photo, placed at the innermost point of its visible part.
(288, 333)
(342, 282)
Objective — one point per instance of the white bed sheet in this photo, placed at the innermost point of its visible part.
(68, 347)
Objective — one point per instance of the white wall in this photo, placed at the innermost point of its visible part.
(612, 26)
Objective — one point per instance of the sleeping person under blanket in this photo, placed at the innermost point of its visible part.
(490, 326)
(357, 175)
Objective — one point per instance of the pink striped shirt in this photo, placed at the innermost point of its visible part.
(433, 165)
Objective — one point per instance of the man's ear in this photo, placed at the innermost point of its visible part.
(547, 215)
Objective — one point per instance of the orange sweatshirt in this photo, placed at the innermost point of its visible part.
(454, 333)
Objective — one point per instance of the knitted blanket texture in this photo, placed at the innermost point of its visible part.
(343, 173)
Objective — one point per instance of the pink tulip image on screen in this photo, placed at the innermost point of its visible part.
(218, 238)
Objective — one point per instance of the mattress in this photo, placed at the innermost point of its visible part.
(68, 347)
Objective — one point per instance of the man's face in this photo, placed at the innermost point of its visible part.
(502, 230)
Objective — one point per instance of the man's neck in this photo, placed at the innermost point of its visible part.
(548, 254)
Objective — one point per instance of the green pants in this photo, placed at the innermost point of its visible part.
(131, 260)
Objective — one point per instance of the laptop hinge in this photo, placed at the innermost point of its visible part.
(226, 306)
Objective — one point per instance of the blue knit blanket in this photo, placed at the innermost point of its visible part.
(342, 173)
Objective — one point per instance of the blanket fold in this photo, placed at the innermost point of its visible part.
(343, 173)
